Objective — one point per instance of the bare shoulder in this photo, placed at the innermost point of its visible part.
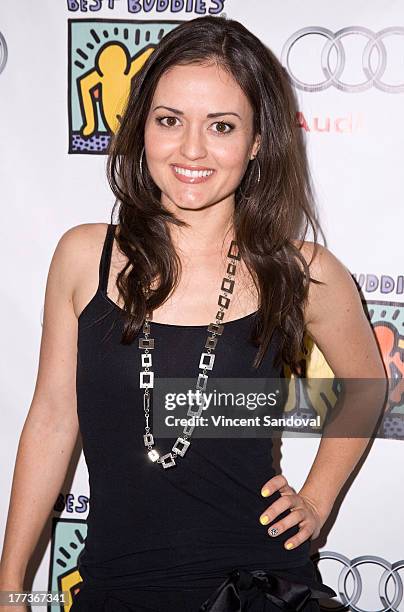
(77, 254)
(82, 239)
(337, 282)
(320, 259)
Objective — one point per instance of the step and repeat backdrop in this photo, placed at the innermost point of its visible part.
(345, 61)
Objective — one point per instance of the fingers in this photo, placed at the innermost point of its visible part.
(305, 532)
(297, 517)
(289, 500)
(273, 484)
(294, 518)
(279, 506)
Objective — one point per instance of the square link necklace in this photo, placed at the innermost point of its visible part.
(146, 377)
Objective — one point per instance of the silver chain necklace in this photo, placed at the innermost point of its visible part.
(206, 363)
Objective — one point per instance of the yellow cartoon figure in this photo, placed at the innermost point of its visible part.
(110, 83)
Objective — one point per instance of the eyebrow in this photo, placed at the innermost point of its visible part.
(209, 116)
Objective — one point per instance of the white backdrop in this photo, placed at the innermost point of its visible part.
(355, 142)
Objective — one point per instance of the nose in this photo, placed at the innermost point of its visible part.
(193, 144)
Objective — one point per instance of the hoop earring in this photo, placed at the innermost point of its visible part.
(243, 195)
(141, 162)
(259, 170)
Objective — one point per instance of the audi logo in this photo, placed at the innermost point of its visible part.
(3, 52)
(333, 44)
(390, 586)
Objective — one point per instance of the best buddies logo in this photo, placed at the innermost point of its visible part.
(198, 7)
(104, 56)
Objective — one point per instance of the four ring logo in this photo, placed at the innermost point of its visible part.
(373, 47)
(3, 52)
(390, 585)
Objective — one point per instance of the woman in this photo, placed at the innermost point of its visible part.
(212, 184)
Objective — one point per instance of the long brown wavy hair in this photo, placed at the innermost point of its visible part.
(268, 214)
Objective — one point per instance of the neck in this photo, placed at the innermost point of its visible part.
(210, 230)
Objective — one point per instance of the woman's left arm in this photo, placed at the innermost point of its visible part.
(336, 321)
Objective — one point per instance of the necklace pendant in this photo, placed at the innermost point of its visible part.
(201, 382)
(177, 446)
(146, 379)
(217, 328)
(207, 360)
(148, 439)
(153, 455)
(234, 252)
(167, 460)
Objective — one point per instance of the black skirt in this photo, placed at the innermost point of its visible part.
(291, 590)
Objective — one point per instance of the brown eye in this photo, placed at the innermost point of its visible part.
(169, 121)
(222, 127)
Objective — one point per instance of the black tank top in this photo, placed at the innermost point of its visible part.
(188, 525)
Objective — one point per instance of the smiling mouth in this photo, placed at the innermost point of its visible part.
(192, 174)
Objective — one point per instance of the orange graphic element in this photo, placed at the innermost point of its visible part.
(392, 350)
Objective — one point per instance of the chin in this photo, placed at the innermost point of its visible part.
(190, 205)
(194, 203)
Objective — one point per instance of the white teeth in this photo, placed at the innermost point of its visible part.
(193, 173)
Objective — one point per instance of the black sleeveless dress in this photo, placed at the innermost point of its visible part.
(168, 539)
